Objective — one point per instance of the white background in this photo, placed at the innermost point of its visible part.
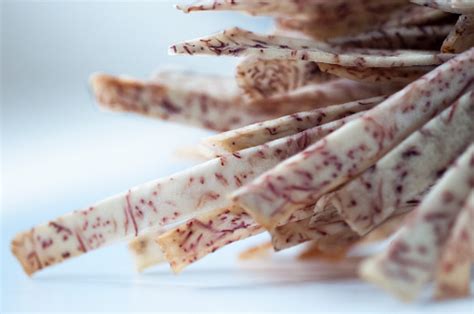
(60, 153)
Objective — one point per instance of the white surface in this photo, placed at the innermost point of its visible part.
(60, 153)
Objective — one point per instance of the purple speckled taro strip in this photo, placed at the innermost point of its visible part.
(453, 276)
(187, 103)
(239, 42)
(410, 260)
(260, 133)
(405, 173)
(261, 78)
(452, 6)
(348, 151)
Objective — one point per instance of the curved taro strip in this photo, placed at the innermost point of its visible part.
(410, 260)
(152, 205)
(348, 151)
(145, 251)
(452, 6)
(261, 78)
(454, 268)
(406, 172)
(398, 75)
(424, 37)
(461, 37)
(262, 132)
(186, 105)
(321, 95)
(209, 232)
(239, 42)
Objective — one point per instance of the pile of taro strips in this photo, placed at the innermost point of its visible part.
(352, 118)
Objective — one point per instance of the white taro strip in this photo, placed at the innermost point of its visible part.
(398, 75)
(454, 268)
(261, 78)
(411, 259)
(314, 96)
(356, 146)
(452, 6)
(424, 37)
(461, 37)
(152, 205)
(294, 233)
(262, 132)
(194, 106)
(239, 42)
(145, 251)
(407, 171)
(209, 232)
(292, 7)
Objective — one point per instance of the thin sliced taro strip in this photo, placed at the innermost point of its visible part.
(461, 36)
(185, 105)
(351, 149)
(423, 37)
(406, 172)
(239, 42)
(262, 132)
(410, 260)
(418, 15)
(152, 205)
(453, 276)
(202, 235)
(338, 233)
(320, 95)
(315, 8)
(452, 6)
(145, 251)
(261, 78)
(398, 75)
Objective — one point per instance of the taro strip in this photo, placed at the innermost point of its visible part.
(398, 75)
(260, 133)
(152, 205)
(454, 268)
(185, 105)
(424, 37)
(209, 232)
(418, 15)
(461, 37)
(411, 259)
(261, 78)
(320, 131)
(452, 6)
(406, 172)
(348, 151)
(314, 96)
(239, 42)
(145, 251)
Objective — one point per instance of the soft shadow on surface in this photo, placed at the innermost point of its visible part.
(250, 275)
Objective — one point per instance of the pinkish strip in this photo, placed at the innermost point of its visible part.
(348, 151)
(452, 6)
(411, 259)
(461, 36)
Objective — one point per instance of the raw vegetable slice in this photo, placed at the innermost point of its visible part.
(406, 172)
(461, 37)
(189, 105)
(356, 146)
(411, 259)
(145, 251)
(452, 6)
(418, 15)
(399, 75)
(261, 78)
(453, 276)
(424, 37)
(239, 42)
